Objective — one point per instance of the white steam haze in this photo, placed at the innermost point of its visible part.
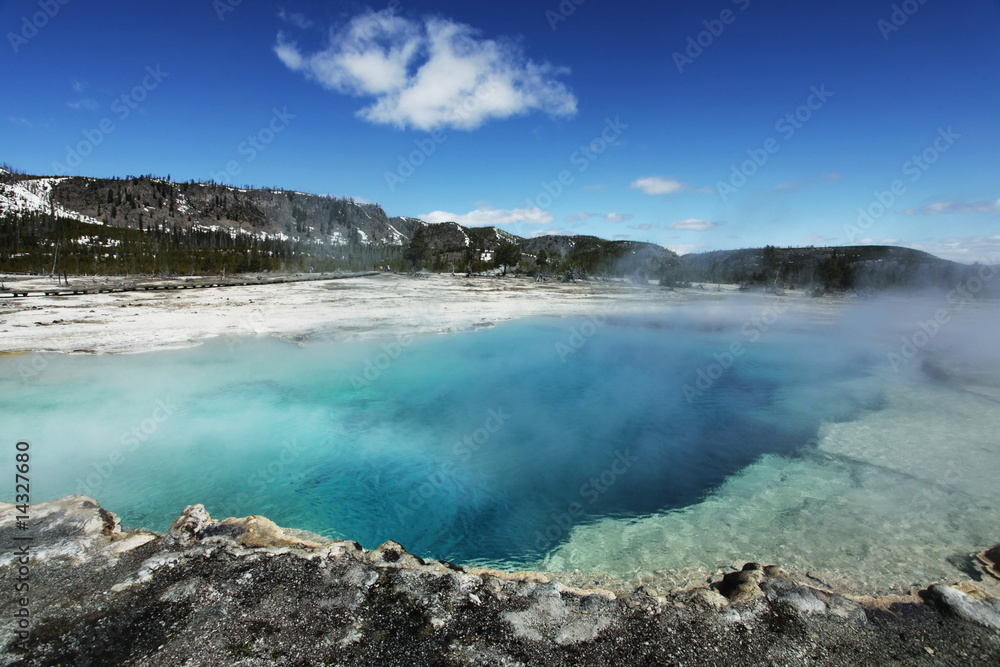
(855, 441)
(900, 495)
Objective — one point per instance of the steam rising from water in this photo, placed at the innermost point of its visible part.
(625, 445)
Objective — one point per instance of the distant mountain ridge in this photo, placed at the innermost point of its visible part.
(868, 267)
(317, 229)
(151, 224)
(148, 202)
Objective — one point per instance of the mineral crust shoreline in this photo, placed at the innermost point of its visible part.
(244, 591)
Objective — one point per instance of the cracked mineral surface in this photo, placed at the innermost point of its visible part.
(244, 591)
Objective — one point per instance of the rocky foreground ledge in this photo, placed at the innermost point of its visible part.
(246, 592)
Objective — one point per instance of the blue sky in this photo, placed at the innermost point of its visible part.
(696, 125)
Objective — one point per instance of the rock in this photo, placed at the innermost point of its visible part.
(565, 619)
(258, 531)
(73, 527)
(67, 518)
(801, 599)
(196, 524)
(711, 596)
(124, 543)
(990, 558)
(743, 585)
(390, 552)
(984, 612)
(774, 571)
(773, 584)
(188, 526)
(805, 600)
(246, 591)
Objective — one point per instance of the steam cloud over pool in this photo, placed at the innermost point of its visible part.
(628, 446)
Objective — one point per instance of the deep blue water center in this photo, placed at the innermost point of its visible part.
(482, 447)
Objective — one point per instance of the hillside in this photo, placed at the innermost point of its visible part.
(149, 224)
(147, 202)
(870, 267)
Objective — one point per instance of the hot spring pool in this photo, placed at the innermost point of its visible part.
(640, 448)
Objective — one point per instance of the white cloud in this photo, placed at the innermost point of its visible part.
(288, 54)
(789, 186)
(296, 19)
(657, 185)
(607, 217)
(20, 121)
(84, 103)
(643, 227)
(692, 225)
(960, 207)
(488, 216)
(967, 249)
(430, 74)
(654, 185)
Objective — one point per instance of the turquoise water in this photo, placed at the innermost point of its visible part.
(492, 447)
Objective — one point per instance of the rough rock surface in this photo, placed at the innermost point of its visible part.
(247, 592)
(990, 558)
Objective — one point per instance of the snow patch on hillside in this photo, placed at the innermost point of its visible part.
(397, 238)
(35, 196)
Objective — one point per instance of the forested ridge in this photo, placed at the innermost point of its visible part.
(150, 225)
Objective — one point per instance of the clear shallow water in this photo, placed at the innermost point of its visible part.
(527, 445)
(895, 500)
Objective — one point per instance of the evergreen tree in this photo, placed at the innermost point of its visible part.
(418, 249)
(770, 260)
(507, 255)
(542, 259)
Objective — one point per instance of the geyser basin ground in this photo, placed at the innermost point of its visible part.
(643, 448)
